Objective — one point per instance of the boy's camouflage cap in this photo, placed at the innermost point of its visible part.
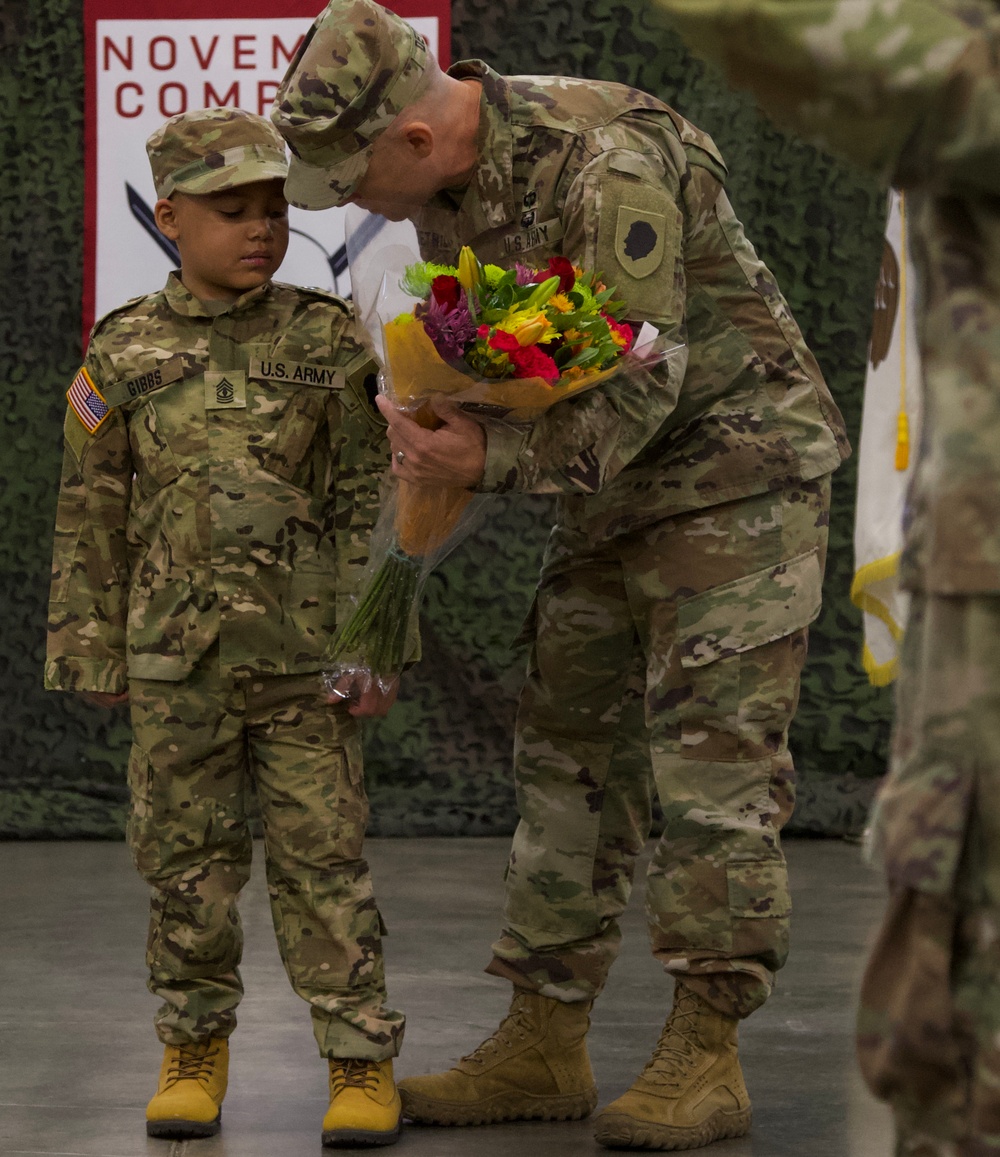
(214, 148)
(357, 69)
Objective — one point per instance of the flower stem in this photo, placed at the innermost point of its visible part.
(376, 633)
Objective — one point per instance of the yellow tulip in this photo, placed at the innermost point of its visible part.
(532, 330)
(469, 272)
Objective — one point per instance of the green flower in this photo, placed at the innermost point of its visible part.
(417, 278)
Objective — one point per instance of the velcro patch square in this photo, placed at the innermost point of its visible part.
(225, 390)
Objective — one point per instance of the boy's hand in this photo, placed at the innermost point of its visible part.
(104, 698)
(374, 703)
(363, 702)
(453, 455)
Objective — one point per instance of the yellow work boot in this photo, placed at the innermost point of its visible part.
(535, 1066)
(188, 1101)
(364, 1105)
(690, 1093)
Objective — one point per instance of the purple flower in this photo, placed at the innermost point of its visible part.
(525, 274)
(451, 330)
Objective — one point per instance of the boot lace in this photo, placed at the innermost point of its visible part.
(353, 1073)
(680, 1047)
(192, 1063)
(511, 1029)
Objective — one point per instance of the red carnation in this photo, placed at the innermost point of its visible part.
(530, 362)
(446, 291)
(504, 341)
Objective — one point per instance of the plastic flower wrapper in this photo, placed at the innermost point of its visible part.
(503, 345)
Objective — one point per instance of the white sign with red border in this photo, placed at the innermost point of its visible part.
(150, 59)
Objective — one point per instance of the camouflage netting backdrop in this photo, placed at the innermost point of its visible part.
(441, 764)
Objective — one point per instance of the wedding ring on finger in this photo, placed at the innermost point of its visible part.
(340, 694)
(400, 456)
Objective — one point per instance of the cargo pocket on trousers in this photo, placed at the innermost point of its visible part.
(758, 889)
(735, 703)
(760, 906)
(140, 828)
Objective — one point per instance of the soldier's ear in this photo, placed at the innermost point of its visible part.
(165, 216)
(419, 139)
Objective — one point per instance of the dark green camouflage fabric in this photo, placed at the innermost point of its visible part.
(440, 763)
(911, 91)
(213, 521)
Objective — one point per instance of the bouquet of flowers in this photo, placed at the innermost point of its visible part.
(503, 345)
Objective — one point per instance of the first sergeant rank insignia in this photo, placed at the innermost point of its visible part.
(225, 390)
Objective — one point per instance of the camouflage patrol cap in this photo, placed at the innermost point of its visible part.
(357, 69)
(210, 149)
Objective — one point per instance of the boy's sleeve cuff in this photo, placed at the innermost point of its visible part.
(71, 673)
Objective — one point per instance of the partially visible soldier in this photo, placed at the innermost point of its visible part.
(219, 484)
(911, 91)
(670, 623)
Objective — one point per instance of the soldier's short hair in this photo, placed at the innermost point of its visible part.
(357, 69)
(209, 149)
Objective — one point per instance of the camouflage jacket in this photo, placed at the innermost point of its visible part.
(909, 91)
(227, 494)
(618, 182)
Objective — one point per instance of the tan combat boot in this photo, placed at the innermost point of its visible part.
(188, 1101)
(364, 1105)
(534, 1067)
(690, 1093)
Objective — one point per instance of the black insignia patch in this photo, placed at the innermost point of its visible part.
(640, 241)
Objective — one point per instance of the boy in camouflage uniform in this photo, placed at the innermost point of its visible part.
(670, 623)
(219, 485)
(911, 91)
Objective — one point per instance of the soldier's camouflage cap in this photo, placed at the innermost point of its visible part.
(357, 69)
(210, 149)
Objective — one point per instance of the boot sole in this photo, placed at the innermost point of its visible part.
(183, 1130)
(619, 1131)
(355, 1138)
(502, 1107)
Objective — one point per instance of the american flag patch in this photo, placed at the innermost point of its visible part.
(86, 402)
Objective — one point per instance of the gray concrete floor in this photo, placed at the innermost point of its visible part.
(78, 1059)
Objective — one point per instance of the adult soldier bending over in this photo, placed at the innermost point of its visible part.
(669, 627)
(213, 519)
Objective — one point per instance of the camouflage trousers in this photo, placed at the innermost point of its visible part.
(668, 659)
(200, 748)
(929, 1020)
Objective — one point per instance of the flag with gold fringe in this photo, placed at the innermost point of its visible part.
(889, 430)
